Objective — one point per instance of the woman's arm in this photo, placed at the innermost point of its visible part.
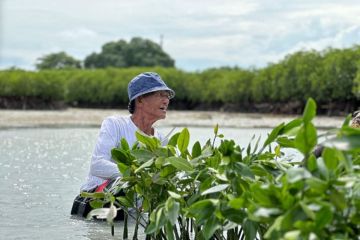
(102, 164)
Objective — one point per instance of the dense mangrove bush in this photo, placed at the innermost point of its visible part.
(45, 85)
(220, 190)
(331, 77)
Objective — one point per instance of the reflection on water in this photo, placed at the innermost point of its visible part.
(41, 171)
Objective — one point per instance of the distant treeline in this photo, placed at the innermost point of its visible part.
(331, 77)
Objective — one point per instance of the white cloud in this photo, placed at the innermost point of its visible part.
(197, 34)
(77, 34)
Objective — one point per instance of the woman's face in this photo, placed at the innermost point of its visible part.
(155, 104)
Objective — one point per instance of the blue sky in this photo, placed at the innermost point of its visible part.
(197, 34)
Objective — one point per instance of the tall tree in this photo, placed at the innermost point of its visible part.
(59, 60)
(138, 52)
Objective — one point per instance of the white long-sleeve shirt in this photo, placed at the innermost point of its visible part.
(102, 166)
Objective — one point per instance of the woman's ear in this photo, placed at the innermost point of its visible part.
(139, 99)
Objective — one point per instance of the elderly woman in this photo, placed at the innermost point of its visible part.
(149, 98)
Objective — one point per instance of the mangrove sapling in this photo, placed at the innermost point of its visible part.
(224, 192)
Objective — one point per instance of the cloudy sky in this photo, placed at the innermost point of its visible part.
(197, 34)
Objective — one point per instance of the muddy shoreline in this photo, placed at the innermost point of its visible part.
(79, 117)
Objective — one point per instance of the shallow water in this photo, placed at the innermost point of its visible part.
(41, 170)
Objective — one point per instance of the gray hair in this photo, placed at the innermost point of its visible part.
(355, 121)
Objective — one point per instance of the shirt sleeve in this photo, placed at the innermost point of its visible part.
(102, 164)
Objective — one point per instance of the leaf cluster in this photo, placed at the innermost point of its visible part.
(257, 192)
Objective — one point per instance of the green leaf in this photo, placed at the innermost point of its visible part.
(203, 209)
(169, 231)
(145, 165)
(266, 212)
(215, 189)
(244, 170)
(306, 138)
(196, 150)
(157, 179)
(123, 168)
(338, 157)
(307, 210)
(172, 210)
(237, 203)
(330, 158)
(146, 205)
(216, 129)
(180, 163)
(250, 229)
(256, 144)
(95, 195)
(346, 122)
(221, 177)
(311, 163)
(124, 144)
(323, 217)
(96, 204)
(290, 126)
(274, 133)
(311, 135)
(160, 218)
(206, 183)
(309, 111)
(167, 170)
(150, 228)
(214, 161)
(120, 156)
(233, 215)
(297, 174)
(124, 201)
(322, 168)
(142, 155)
(278, 151)
(285, 142)
(292, 235)
(338, 199)
(159, 162)
(274, 227)
(162, 152)
(173, 139)
(259, 170)
(183, 140)
(150, 142)
(317, 185)
(211, 225)
(192, 198)
(349, 131)
(261, 195)
(207, 152)
(174, 195)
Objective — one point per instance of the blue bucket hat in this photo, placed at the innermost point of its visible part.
(147, 82)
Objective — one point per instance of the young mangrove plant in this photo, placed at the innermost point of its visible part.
(227, 191)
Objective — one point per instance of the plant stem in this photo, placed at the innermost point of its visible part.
(135, 236)
(125, 233)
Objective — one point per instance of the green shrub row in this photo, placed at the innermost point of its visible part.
(47, 85)
(329, 76)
